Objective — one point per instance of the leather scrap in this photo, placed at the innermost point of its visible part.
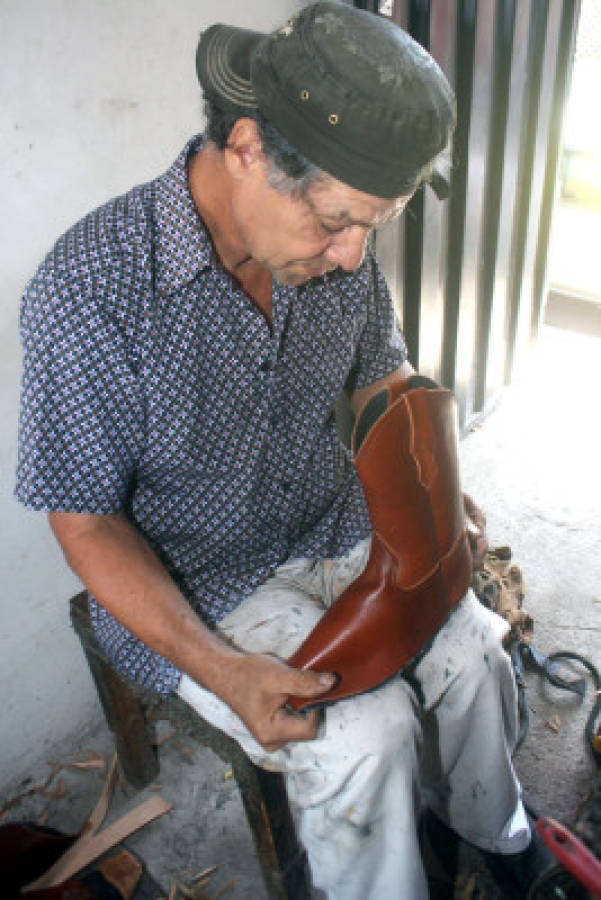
(90, 847)
(499, 584)
(92, 843)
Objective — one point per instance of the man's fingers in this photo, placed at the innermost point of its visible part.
(265, 712)
(294, 727)
(285, 726)
(473, 512)
(310, 684)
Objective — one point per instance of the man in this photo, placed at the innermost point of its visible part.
(184, 349)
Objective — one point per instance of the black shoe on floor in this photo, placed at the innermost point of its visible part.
(531, 874)
(518, 873)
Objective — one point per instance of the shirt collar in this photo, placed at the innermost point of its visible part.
(182, 244)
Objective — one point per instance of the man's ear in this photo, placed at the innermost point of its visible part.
(244, 151)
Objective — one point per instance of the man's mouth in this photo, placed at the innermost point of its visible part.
(315, 271)
(299, 271)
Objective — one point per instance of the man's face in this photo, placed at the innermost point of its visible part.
(298, 238)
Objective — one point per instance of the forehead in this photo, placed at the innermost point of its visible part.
(332, 199)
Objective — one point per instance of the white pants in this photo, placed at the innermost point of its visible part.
(444, 738)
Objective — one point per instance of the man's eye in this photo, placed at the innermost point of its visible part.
(332, 229)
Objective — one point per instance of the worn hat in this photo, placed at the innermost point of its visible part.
(348, 89)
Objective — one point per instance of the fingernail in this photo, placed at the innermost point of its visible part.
(327, 679)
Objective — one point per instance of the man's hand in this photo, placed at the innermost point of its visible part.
(476, 530)
(124, 574)
(258, 687)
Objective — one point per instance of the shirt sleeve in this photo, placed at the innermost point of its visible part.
(82, 410)
(381, 348)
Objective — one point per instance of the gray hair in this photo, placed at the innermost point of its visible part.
(288, 171)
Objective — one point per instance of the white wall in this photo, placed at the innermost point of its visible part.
(95, 97)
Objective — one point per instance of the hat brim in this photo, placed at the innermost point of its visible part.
(223, 64)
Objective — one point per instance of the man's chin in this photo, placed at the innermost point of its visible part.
(295, 277)
(292, 280)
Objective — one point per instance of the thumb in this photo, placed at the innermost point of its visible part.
(312, 684)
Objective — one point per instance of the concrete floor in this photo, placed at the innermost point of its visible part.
(533, 467)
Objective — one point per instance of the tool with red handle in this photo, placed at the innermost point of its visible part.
(572, 854)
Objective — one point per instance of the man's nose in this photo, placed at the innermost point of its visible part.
(347, 248)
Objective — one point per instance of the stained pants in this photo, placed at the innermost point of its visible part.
(442, 737)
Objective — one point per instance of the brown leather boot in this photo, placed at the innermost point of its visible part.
(405, 445)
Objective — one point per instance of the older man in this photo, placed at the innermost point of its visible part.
(184, 348)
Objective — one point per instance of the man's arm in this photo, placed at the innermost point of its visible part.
(121, 570)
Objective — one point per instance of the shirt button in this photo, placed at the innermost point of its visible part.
(265, 366)
(286, 486)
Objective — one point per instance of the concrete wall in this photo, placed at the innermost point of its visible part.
(95, 97)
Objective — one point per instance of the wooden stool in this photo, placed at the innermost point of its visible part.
(130, 710)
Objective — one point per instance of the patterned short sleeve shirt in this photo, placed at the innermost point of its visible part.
(152, 385)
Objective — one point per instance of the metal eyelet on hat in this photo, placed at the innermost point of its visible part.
(333, 118)
(304, 94)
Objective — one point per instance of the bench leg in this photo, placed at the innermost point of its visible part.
(292, 858)
(125, 717)
(122, 709)
(284, 864)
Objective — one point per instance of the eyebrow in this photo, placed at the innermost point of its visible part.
(345, 218)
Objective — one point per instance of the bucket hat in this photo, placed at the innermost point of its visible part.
(350, 90)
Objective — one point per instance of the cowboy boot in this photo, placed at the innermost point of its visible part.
(419, 568)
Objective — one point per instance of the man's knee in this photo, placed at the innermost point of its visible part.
(487, 658)
(467, 651)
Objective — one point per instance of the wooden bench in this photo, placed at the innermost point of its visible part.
(130, 712)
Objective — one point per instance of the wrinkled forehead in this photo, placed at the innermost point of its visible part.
(332, 199)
